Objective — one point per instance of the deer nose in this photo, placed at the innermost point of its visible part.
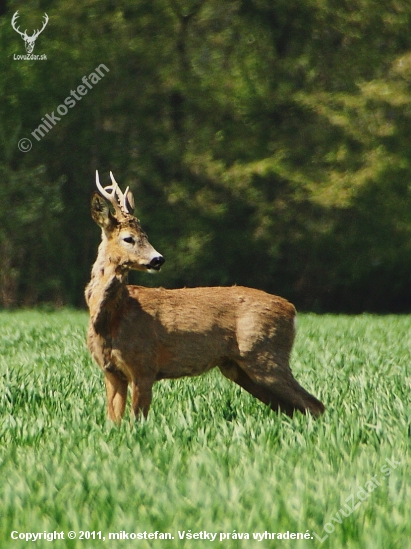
(156, 262)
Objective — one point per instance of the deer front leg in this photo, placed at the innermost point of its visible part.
(141, 394)
(116, 389)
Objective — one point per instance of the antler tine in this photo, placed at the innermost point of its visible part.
(109, 192)
(122, 197)
(112, 179)
(124, 200)
(13, 24)
(46, 20)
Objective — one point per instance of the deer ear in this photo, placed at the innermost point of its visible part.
(100, 212)
(130, 202)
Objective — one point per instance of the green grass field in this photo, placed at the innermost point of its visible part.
(210, 458)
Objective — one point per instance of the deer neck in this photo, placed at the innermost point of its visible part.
(106, 290)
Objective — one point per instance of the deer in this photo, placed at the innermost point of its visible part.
(29, 41)
(139, 335)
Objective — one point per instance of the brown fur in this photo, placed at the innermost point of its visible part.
(140, 335)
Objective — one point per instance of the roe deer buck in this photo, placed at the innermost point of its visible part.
(140, 335)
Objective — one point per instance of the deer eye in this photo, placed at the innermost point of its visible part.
(129, 239)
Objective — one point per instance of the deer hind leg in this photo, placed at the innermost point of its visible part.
(296, 397)
(285, 395)
(275, 374)
(233, 372)
(141, 391)
(116, 390)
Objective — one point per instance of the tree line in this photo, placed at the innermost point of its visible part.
(266, 143)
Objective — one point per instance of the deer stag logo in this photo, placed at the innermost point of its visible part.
(29, 41)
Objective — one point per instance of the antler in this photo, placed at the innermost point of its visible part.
(123, 203)
(46, 20)
(126, 200)
(13, 24)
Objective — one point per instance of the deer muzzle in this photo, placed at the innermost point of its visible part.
(156, 263)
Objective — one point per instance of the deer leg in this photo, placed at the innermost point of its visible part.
(292, 397)
(141, 392)
(116, 390)
(233, 372)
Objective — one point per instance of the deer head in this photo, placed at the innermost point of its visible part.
(29, 41)
(125, 244)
